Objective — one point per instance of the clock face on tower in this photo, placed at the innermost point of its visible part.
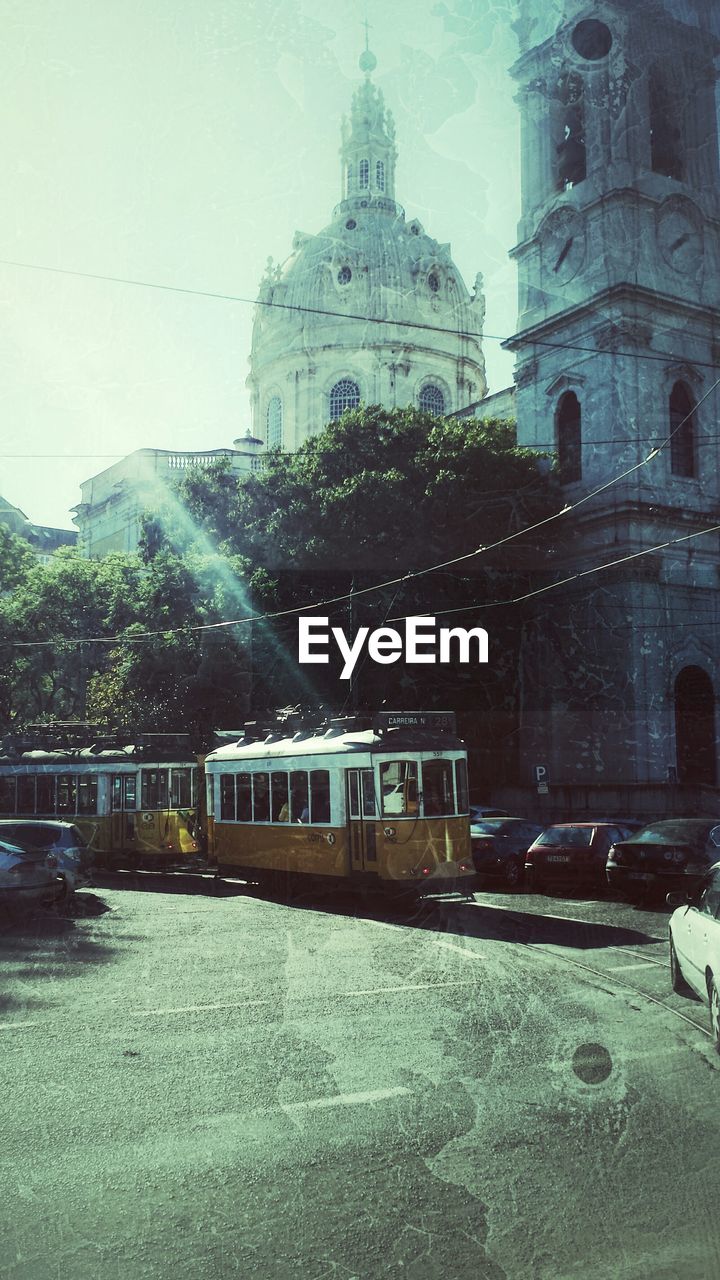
(679, 236)
(563, 247)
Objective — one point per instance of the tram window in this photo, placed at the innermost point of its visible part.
(280, 806)
(368, 793)
(180, 791)
(244, 798)
(66, 792)
(261, 797)
(398, 783)
(227, 796)
(299, 807)
(438, 787)
(319, 795)
(154, 788)
(116, 799)
(130, 791)
(26, 794)
(45, 793)
(7, 795)
(87, 793)
(354, 793)
(461, 783)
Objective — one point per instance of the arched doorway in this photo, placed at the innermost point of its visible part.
(695, 728)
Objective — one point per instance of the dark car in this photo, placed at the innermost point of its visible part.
(63, 840)
(669, 855)
(572, 854)
(478, 812)
(499, 846)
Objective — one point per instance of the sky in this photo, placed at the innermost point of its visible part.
(181, 145)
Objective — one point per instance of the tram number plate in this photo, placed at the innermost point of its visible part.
(558, 857)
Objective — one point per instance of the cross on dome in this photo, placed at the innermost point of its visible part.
(367, 60)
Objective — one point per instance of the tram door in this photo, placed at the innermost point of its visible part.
(362, 813)
(123, 800)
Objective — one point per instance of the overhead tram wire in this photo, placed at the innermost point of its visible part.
(563, 582)
(419, 573)
(338, 315)
(566, 510)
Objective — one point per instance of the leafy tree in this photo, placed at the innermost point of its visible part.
(384, 495)
(51, 629)
(16, 560)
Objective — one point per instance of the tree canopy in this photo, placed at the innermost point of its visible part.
(377, 498)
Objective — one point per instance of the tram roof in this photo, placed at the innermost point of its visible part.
(333, 743)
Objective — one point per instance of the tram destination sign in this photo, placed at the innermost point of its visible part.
(434, 721)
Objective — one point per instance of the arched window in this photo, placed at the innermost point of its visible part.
(364, 173)
(572, 159)
(344, 395)
(666, 140)
(682, 431)
(431, 399)
(274, 423)
(380, 175)
(695, 727)
(568, 424)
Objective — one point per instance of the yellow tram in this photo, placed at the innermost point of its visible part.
(386, 806)
(135, 801)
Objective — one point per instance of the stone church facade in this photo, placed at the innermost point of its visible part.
(370, 310)
(618, 356)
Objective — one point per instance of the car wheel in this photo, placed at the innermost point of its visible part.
(714, 993)
(677, 982)
(513, 873)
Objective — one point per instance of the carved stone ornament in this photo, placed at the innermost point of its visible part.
(526, 373)
(565, 382)
(623, 333)
(684, 373)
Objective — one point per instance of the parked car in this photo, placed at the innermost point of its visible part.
(62, 840)
(499, 846)
(480, 811)
(694, 933)
(674, 854)
(573, 854)
(26, 875)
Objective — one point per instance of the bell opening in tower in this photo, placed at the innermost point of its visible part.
(570, 148)
(666, 139)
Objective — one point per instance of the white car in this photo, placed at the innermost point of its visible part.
(695, 945)
(62, 840)
(26, 876)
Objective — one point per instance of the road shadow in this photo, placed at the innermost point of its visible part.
(192, 883)
(467, 918)
(55, 933)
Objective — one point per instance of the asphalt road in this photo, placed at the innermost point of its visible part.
(199, 1086)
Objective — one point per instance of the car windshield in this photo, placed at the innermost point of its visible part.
(33, 835)
(490, 826)
(672, 832)
(9, 850)
(577, 837)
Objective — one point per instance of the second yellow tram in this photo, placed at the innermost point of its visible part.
(386, 806)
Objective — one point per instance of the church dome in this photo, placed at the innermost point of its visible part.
(371, 309)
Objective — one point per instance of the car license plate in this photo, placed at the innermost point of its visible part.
(640, 875)
(558, 857)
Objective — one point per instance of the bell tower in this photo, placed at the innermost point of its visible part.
(618, 351)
